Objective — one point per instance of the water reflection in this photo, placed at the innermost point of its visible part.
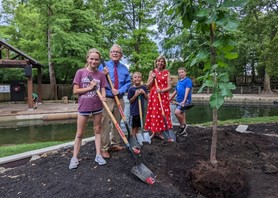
(39, 131)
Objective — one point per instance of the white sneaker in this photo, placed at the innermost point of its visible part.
(99, 159)
(73, 163)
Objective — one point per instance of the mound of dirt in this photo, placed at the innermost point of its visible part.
(255, 153)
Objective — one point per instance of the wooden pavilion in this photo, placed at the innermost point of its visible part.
(14, 58)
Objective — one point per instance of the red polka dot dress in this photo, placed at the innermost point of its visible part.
(154, 119)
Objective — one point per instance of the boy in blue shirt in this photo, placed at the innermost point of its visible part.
(183, 92)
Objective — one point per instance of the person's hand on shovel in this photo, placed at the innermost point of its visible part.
(106, 70)
(92, 84)
(115, 92)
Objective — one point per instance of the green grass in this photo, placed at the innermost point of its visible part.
(21, 148)
(257, 120)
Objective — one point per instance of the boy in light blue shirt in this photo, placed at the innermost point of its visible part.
(183, 92)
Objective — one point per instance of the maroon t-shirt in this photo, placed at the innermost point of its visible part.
(89, 101)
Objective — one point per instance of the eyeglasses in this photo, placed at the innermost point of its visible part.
(115, 52)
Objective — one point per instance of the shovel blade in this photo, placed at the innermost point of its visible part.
(143, 173)
(140, 138)
(143, 136)
(169, 135)
(134, 143)
(147, 137)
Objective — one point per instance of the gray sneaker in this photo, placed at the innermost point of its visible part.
(73, 163)
(99, 159)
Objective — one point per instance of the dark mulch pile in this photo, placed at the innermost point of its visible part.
(255, 153)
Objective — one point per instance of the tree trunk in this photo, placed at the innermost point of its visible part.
(214, 138)
(215, 112)
(52, 77)
(267, 87)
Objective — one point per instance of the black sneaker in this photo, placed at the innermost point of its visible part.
(182, 131)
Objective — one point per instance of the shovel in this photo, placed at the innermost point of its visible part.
(185, 107)
(119, 106)
(142, 136)
(140, 170)
(169, 135)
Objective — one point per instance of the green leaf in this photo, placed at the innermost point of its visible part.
(231, 42)
(222, 21)
(211, 2)
(202, 55)
(193, 43)
(222, 64)
(218, 43)
(216, 99)
(212, 19)
(227, 48)
(201, 89)
(193, 62)
(202, 13)
(231, 25)
(224, 77)
(186, 22)
(237, 3)
(231, 55)
(208, 83)
(214, 67)
(226, 88)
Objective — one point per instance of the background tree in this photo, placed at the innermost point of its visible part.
(130, 25)
(259, 27)
(17, 20)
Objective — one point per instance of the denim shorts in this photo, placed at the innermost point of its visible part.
(88, 113)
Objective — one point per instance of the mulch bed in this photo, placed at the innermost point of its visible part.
(256, 154)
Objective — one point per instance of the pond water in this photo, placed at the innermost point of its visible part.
(201, 113)
(41, 131)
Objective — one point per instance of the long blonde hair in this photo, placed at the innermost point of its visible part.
(93, 50)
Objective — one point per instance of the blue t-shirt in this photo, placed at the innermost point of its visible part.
(134, 107)
(123, 78)
(181, 86)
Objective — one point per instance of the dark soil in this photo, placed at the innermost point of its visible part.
(255, 155)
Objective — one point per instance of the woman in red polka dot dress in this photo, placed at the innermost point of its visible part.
(154, 119)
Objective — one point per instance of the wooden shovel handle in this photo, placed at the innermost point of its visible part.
(140, 110)
(114, 120)
(174, 102)
(115, 96)
(159, 97)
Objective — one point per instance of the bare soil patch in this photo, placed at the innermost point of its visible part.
(256, 154)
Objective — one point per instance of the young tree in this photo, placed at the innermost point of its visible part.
(218, 22)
